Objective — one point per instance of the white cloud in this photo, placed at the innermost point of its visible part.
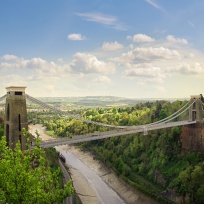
(102, 79)
(87, 63)
(111, 21)
(13, 62)
(76, 36)
(146, 54)
(195, 68)
(149, 73)
(146, 65)
(44, 67)
(99, 18)
(60, 60)
(145, 74)
(185, 68)
(154, 4)
(10, 58)
(141, 38)
(171, 38)
(37, 66)
(154, 64)
(112, 46)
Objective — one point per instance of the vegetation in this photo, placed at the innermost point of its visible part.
(153, 163)
(87, 101)
(26, 177)
(1, 130)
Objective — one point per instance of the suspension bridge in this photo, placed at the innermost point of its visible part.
(194, 108)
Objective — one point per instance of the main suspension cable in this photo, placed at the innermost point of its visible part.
(3, 97)
(166, 119)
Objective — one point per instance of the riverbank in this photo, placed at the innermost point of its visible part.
(82, 187)
(126, 192)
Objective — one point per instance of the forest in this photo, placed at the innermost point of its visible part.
(153, 163)
(31, 176)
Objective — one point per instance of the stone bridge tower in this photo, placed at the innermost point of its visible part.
(192, 136)
(15, 116)
(196, 110)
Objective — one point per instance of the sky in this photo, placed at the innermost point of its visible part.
(127, 48)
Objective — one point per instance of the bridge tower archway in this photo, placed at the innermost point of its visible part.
(196, 109)
(15, 116)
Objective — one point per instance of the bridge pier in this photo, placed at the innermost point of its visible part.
(196, 110)
(15, 116)
(192, 136)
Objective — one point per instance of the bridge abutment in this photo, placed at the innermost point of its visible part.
(192, 137)
(15, 117)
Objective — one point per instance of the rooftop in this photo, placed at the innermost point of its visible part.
(16, 88)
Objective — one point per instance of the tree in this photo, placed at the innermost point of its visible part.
(190, 182)
(114, 110)
(162, 114)
(1, 130)
(25, 177)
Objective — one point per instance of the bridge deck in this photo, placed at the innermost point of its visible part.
(119, 132)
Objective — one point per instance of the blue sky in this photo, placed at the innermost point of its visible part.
(132, 48)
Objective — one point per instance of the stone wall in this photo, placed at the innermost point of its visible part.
(192, 137)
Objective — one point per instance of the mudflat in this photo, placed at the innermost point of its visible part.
(125, 191)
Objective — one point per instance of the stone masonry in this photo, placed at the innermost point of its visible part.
(193, 137)
(15, 116)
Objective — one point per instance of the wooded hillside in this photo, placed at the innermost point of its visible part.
(153, 163)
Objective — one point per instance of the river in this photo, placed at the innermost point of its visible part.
(105, 193)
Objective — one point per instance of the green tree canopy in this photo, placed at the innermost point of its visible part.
(1, 130)
(25, 177)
